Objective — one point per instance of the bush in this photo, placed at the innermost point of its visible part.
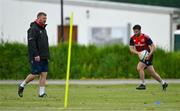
(13, 61)
(113, 61)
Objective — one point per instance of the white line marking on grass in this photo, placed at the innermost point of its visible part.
(94, 82)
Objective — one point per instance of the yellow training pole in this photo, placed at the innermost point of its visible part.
(68, 62)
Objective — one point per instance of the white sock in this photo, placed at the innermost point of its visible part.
(23, 84)
(162, 82)
(41, 90)
(143, 82)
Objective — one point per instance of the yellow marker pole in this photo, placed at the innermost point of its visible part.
(68, 62)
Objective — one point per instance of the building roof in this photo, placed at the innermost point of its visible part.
(116, 6)
(177, 32)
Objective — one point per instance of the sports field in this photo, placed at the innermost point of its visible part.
(92, 98)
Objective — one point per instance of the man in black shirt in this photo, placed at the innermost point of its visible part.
(38, 49)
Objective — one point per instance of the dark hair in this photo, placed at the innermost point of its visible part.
(137, 27)
(41, 13)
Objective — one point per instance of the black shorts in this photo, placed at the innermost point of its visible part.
(38, 67)
(147, 62)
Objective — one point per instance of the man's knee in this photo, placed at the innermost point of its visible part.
(31, 76)
(43, 74)
(139, 69)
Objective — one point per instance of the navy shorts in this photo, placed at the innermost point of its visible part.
(147, 62)
(38, 67)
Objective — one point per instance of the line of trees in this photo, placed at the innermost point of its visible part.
(167, 3)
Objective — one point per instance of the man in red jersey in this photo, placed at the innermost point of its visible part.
(138, 43)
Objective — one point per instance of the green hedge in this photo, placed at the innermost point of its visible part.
(87, 62)
(167, 3)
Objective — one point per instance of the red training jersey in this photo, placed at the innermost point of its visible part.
(141, 43)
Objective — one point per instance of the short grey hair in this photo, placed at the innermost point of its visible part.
(41, 13)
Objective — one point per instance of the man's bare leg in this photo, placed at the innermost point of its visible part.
(28, 79)
(156, 76)
(42, 83)
(140, 69)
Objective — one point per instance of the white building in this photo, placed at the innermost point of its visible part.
(96, 21)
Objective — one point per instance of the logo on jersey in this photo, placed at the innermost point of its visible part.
(139, 44)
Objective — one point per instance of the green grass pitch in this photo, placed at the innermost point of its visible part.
(92, 98)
